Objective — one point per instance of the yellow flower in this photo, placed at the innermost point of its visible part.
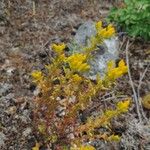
(123, 106)
(110, 26)
(114, 73)
(36, 147)
(122, 66)
(77, 62)
(87, 147)
(93, 44)
(76, 78)
(42, 128)
(102, 32)
(106, 32)
(98, 25)
(58, 48)
(110, 113)
(53, 138)
(111, 30)
(114, 138)
(37, 75)
(110, 33)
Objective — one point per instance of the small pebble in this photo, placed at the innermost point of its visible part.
(27, 132)
(11, 110)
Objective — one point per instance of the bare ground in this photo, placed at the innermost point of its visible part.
(25, 34)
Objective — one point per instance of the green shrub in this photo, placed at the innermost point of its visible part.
(133, 17)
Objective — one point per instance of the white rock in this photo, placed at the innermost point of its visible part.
(36, 91)
(10, 71)
(102, 55)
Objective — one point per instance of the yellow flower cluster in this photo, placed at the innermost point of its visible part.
(58, 48)
(114, 138)
(77, 62)
(76, 78)
(101, 34)
(87, 147)
(104, 33)
(37, 75)
(114, 73)
(91, 124)
(123, 106)
(110, 113)
(98, 25)
(36, 147)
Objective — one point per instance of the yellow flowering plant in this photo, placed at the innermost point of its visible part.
(37, 75)
(115, 72)
(58, 48)
(77, 62)
(65, 91)
(101, 35)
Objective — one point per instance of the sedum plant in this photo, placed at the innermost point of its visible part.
(65, 91)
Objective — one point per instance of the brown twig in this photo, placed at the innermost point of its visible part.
(138, 91)
(132, 84)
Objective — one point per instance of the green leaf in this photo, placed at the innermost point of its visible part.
(134, 18)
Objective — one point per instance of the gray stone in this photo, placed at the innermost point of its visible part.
(4, 88)
(84, 32)
(3, 14)
(2, 7)
(101, 56)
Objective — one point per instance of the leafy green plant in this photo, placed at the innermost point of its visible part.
(65, 91)
(133, 17)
